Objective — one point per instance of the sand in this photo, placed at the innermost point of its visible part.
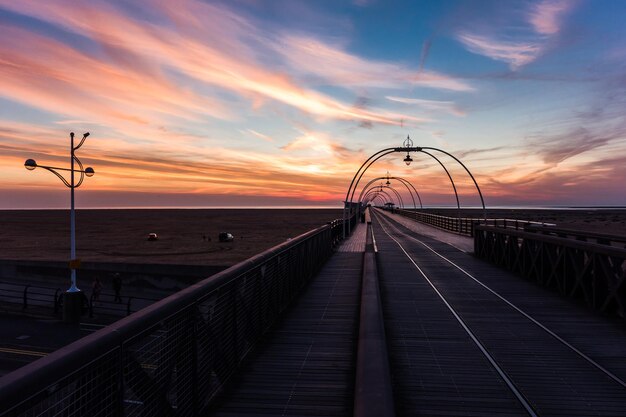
(188, 237)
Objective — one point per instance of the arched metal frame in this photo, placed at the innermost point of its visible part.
(381, 192)
(383, 152)
(386, 195)
(372, 197)
(403, 181)
(397, 194)
(378, 196)
(456, 194)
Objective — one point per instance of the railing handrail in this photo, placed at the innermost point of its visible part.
(477, 219)
(579, 233)
(36, 376)
(572, 243)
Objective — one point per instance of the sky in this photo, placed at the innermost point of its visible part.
(252, 103)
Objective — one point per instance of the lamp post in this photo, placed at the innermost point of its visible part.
(72, 301)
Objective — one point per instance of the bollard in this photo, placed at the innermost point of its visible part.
(72, 306)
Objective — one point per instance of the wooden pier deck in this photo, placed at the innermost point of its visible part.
(306, 366)
(464, 338)
(356, 241)
(562, 359)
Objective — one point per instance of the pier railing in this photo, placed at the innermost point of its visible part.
(47, 301)
(465, 225)
(174, 356)
(592, 272)
(599, 238)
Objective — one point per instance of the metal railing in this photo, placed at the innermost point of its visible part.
(45, 300)
(599, 238)
(174, 356)
(465, 225)
(592, 272)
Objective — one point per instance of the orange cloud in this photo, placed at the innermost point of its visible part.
(189, 52)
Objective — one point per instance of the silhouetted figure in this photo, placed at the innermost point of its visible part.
(204, 237)
(117, 287)
(96, 289)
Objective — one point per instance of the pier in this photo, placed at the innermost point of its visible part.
(401, 318)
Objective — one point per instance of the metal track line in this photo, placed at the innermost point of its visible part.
(522, 312)
(520, 397)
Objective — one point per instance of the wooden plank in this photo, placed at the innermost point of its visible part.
(554, 379)
(306, 366)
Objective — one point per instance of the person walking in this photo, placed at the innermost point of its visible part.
(117, 287)
(96, 289)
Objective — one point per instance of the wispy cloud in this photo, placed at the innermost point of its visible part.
(522, 43)
(331, 64)
(546, 16)
(516, 54)
(200, 50)
(435, 105)
(259, 135)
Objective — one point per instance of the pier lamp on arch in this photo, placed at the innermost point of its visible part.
(73, 297)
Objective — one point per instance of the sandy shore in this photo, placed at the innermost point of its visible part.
(185, 236)
(190, 236)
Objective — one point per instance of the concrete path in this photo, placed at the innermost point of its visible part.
(463, 243)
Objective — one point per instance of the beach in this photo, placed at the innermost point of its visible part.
(190, 236)
(185, 236)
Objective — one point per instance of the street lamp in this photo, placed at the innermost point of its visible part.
(408, 143)
(72, 297)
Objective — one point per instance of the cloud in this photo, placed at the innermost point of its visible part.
(447, 106)
(516, 54)
(546, 16)
(141, 58)
(259, 135)
(522, 42)
(317, 142)
(332, 64)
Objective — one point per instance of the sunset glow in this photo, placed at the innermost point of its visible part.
(277, 103)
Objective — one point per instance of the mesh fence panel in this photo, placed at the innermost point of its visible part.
(88, 391)
(185, 351)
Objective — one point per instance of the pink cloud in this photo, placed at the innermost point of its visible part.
(332, 64)
(541, 23)
(546, 16)
(516, 54)
(200, 49)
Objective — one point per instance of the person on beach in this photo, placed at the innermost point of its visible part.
(117, 287)
(96, 289)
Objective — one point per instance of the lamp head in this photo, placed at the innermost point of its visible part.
(30, 164)
(85, 134)
(408, 159)
(89, 172)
